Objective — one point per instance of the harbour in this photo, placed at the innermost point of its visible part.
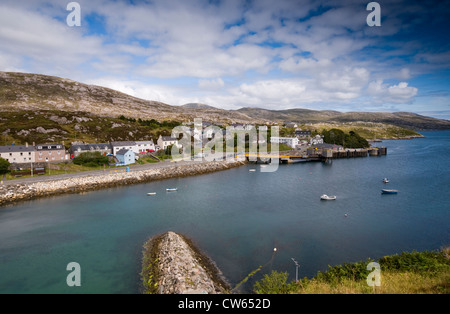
(237, 218)
(316, 154)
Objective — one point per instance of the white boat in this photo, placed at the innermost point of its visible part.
(151, 193)
(252, 170)
(171, 189)
(328, 197)
(385, 180)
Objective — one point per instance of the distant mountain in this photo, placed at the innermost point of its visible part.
(401, 119)
(198, 106)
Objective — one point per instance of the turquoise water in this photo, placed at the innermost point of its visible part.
(237, 217)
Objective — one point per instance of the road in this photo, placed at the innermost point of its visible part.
(43, 178)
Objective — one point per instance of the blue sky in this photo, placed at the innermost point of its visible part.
(230, 54)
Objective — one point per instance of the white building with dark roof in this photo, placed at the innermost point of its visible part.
(165, 141)
(18, 153)
(77, 149)
(116, 146)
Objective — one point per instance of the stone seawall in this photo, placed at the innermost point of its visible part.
(10, 194)
(172, 264)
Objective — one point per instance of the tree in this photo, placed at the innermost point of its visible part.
(4, 166)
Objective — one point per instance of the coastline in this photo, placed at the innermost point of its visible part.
(10, 194)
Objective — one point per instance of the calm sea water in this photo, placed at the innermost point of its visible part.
(237, 217)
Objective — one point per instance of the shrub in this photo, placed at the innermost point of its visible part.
(91, 159)
(4, 166)
(275, 283)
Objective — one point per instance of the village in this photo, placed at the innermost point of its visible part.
(35, 158)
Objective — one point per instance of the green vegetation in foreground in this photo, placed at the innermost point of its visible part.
(408, 273)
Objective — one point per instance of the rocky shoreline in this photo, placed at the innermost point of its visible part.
(11, 194)
(172, 264)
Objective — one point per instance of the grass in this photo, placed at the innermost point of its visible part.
(391, 283)
(425, 272)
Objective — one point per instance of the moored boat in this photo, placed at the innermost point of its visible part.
(328, 197)
(151, 193)
(386, 191)
(171, 189)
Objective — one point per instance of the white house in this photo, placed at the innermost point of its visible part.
(116, 146)
(291, 141)
(78, 149)
(316, 140)
(144, 147)
(18, 153)
(164, 141)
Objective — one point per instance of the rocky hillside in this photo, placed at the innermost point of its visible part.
(23, 91)
(31, 93)
(406, 120)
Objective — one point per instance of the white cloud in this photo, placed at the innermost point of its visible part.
(398, 94)
(270, 53)
(213, 84)
(48, 45)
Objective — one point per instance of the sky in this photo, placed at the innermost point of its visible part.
(273, 54)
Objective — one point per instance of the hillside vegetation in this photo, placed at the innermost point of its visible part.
(51, 126)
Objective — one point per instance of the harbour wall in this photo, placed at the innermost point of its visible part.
(173, 264)
(10, 194)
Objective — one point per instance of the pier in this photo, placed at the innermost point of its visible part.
(314, 154)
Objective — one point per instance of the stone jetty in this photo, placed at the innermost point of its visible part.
(10, 194)
(172, 264)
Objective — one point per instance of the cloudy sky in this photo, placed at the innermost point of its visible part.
(275, 54)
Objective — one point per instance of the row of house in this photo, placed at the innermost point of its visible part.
(57, 152)
(34, 153)
(112, 148)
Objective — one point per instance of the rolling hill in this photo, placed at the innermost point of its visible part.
(40, 108)
(406, 120)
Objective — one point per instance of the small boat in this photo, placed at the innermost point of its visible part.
(252, 170)
(385, 180)
(328, 197)
(151, 193)
(385, 191)
(171, 189)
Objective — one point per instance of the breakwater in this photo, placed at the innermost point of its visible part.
(10, 194)
(172, 264)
